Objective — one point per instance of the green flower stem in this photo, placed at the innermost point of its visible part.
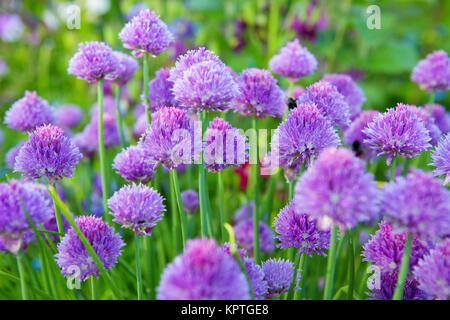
(294, 276)
(393, 167)
(398, 293)
(173, 210)
(256, 204)
(145, 77)
(268, 199)
(93, 286)
(182, 214)
(220, 189)
(101, 150)
(291, 190)
(23, 285)
(351, 265)
(431, 102)
(201, 184)
(299, 294)
(119, 117)
(328, 290)
(138, 267)
(57, 213)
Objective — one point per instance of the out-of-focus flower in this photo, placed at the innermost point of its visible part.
(10, 157)
(189, 199)
(441, 117)
(306, 27)
(244, 212)
(244, 236)
(71, 252)
(88, 139)
(278, 274)
(11, 27)
(441, 159)
(126, 67)
(182, 28)
(68, 116)
(428, 121)
(133, 165)
(134, 10)
(97, 7)
(433, 72)
(140, 126)
(29, 112)
(397, 132)
(203, 271)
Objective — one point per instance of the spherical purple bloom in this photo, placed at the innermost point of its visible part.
(301, 137)
(397, 132)
(428, 121)
(126, 67)
(68, 116)
(137, 207)
(203, 272)
(71, 252)
(441, 117)
(244, 236)
(244, 212)
(94, 61)
(169, 138)
(278, 274)
(417, 204)
(329, 101)
(441, 158)
(433, 72)
(132, 165)
(29, 112)
(257, 281)
(433, 271)
(48, 152)
(225, 146)
(385, 249)
(189, 199)
(337, 188)
(10, 157)
(160, 91)
(89, 137)
(388, 282)
(293, 61)
(355, 137)
(259, 94)
(353, 94)
(146, 33)
(300, 231)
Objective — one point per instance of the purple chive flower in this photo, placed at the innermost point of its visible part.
(385, 249)
(441, 117)
(202, 81)
(337, 188)
(71, 252)
(94, 61)
(137, 207)
(132, 165)
(329, 101)
(355, 137)
(417, 204)
(300, 231)
(353, 94)
(259, 94)
(89, 136)
(10, 157)
(301, 137)
(146, 33)
(244, 236)
(225, 146)
(11, 27)
(109, 107)
(244, 212)
(433, 271)
(68, 116)
(126, 67)
(293, 61)
(388, 282)
(48, 152)
(160, 91)
(203, 272)
(428, 121)
(397, 132)
(278, 274)
(441, 159)
(189, 199)
(29, 112)
(433, 72)
(257, 281)
(169, 138)
(307, 27)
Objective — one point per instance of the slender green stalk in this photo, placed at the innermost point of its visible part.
(23, 285)
(256, 204)
(351, 265)
(93, 286)
(145, 77)
(182, 214)
(398, 293)
(294, 277)
(431, 102)
(101, 150)
(291, 190)
(138, 267)
(57, 214)
(393, 168)
(119, 117)
(201, 185)
(173, 210)
(328, 290)
(220, 189)
(299, 294)
(148, 258)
